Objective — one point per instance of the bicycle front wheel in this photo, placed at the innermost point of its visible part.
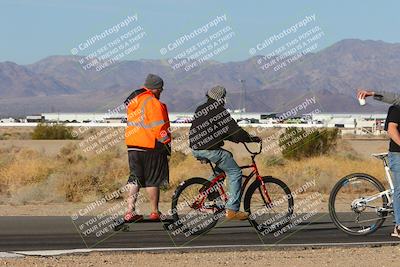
(356, 204)
(270, 209)
(196, 206)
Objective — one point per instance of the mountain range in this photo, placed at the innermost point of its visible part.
(331, 75)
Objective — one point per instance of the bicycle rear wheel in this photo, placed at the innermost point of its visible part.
(196, 207)
(355, 205)
(269, 213)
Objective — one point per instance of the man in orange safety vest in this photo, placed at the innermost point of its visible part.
(148, 139)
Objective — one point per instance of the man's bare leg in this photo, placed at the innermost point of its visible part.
(132, 196)
(154, 196)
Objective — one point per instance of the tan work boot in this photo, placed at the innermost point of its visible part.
(236, 215)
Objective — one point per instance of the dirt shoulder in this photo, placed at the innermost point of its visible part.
(308, 257)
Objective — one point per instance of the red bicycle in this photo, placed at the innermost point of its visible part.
(198, 203)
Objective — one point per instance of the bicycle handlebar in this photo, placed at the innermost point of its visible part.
(251, 152)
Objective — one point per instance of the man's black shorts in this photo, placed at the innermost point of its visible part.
(148, 168)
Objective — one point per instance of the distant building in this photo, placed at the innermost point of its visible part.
(7, 120)
(356, 123)
(74, 117)
(35, 118)
(117, 119)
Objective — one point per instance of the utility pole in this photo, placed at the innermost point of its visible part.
(242, 106)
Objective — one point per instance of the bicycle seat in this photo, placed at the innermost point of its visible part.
(203, 160)
(380, 155)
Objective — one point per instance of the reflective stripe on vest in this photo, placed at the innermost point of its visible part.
(163, 139)
(141, 122)
(150, 125)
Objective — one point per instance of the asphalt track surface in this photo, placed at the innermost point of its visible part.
(28, 233)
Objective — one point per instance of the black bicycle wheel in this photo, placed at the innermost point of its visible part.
(269, 216)
(196, 207)
(351, 208)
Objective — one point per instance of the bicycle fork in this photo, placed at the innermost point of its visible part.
(264, 193)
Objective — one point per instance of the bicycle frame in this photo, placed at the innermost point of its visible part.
(388, 176)
(387, 192)
(254, 172)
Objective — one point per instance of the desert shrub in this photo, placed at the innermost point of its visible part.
(5, 136)
(95, 176)
(45, 131)
(91, 183)
(297, 143)
(70, 154)
(24, 167)
(46, 191)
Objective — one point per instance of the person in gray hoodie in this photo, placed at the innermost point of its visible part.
(392, 126)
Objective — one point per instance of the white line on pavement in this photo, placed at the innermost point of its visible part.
(73, 251)
(9, 255)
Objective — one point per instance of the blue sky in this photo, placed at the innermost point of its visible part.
(34, 29)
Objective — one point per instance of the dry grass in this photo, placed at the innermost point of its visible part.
(85, 177)
(28, 175)
(13, 133)
(31, 176)
(23, 167)
(325, 169)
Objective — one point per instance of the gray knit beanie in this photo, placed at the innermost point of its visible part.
(153, 82)
(218, 92)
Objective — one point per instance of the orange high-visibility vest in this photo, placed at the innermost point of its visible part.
(147, 121)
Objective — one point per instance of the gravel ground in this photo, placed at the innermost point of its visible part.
(378, 256)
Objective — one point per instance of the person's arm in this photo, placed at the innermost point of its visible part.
(157, 115)
(393, 132)
(237, 134)
(387, 97)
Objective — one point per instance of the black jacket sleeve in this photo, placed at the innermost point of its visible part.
(236, 133)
